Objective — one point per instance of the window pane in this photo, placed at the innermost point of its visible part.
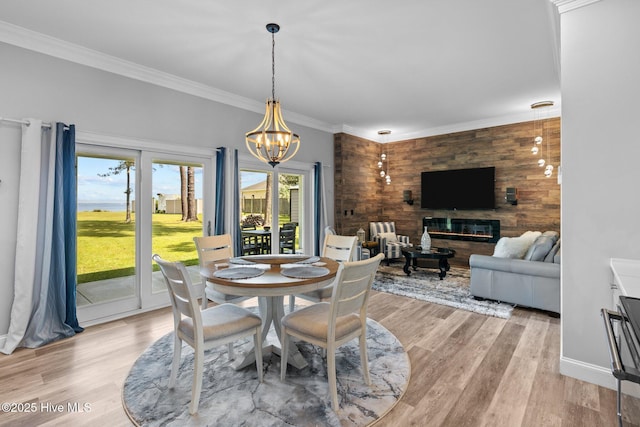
(256, 220)
(290, 211)
(177, 216)
(106, 229)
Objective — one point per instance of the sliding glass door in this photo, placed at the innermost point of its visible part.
(107, 232)
(132, 204)
(177, 216)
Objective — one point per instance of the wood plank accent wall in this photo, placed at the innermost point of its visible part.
(361, 196)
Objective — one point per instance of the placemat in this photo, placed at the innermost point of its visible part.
(304, 272)
(240, 261)
(310, 260)
(239, 273)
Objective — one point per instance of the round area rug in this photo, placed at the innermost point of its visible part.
(236, 398)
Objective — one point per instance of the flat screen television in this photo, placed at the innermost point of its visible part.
(459, 189)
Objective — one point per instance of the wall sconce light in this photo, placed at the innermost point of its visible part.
(512, 195)
(407, 197)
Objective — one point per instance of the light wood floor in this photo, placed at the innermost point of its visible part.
(467, 370)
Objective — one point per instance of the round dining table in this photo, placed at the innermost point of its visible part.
(270, 288)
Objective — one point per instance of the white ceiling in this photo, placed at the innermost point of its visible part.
(417, 67)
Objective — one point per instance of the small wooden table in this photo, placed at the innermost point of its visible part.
(270, 288)
(262, 239)
(441, 254)
(372, 246)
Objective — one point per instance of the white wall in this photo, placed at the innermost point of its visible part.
(600, 172)
(39, 86)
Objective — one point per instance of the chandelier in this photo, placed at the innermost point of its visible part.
(384, 160)
(540, 110)
(272, 142)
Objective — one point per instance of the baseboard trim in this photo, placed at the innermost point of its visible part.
(122, 315)
(596, 375)
(105, 319)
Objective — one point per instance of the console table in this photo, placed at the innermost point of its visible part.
(441, 254)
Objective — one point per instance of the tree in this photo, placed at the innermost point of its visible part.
(183, 191)
(285, 184)
(188, 194)
(123, 166)
(192, 211)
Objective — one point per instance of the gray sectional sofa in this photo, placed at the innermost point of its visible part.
(530, 279)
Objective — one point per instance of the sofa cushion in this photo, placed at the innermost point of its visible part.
(515, 247)
(541, 247)
(552, 253)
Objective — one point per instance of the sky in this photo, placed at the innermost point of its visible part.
(96, 189)
(92, 188)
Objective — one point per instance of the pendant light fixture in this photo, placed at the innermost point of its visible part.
(272, 142)
(384, 161)
(540, 110)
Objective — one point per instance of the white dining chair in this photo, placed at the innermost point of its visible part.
(338, 248)
(332, 324)
(204, 329)
(211, 249)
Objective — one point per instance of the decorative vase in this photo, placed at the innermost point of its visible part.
(425, 241)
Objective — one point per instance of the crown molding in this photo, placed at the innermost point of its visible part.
(41, 43)
(569, 5)
(399, 135)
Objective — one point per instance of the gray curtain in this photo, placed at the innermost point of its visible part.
(236, 234)
(44, 305)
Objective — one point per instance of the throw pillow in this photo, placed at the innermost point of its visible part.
(552, 253)
(391, 237)
(540, 248)
(554, 235)
(515, 247)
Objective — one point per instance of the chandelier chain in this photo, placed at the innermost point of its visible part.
(273, 66)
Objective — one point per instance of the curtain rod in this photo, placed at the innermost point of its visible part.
(23, 122)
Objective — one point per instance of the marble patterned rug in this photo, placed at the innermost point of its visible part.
(424, 284)
(236, 398)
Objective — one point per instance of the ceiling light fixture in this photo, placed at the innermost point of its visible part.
(384, 159)
(541, 114)
(272, 142)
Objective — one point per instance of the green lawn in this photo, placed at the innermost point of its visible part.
(106, 244)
